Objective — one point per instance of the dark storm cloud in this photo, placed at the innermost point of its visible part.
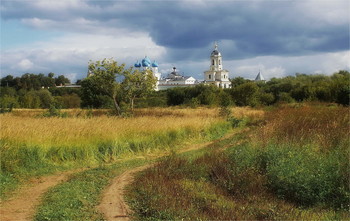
(252, 29)
(257, 32)
(188, 28)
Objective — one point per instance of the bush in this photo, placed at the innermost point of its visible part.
(54, 112)
(30, 100)
(285, 98)
(307, 177)
(246, 94)
(7, 103)
(266, 98)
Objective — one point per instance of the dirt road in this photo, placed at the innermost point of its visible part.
(21, 207)
(113, 205)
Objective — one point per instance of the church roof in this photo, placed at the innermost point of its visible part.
(154, 64)
(259, 77)
(137, 64)
(216, 51)
(146, 62)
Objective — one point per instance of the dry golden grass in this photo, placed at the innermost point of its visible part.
(241, 112)
(22, 127)
(325, 127)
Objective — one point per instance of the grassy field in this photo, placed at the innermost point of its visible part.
(294, 166)
(291, 164)
(33, 145)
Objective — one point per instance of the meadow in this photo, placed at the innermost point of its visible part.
(33, 145)
(292, 165)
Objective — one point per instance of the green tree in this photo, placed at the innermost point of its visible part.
(61, 80)
(30, 100)
(7, 81)
(45, 97)
(238, 81)
(209, 95)
(7, 103)
(285, 97)
(225, 103)
(9, 91)
(46, 82)
(246, 94)
(102, 81)
(266, 98)
(78, 82)
(340, 87)
(50, 75)
(137, 84)
(175, 96)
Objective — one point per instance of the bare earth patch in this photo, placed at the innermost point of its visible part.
(113, 205)
(22, 206)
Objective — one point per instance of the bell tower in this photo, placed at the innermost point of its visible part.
(216, 74)
(216, 59)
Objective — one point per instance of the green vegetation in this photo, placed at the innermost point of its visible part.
(294, 167)
(33, 81)
(291, 89)
(292, 163)
(77, 198)
(34, 91)
(110, 80)
(38, 146)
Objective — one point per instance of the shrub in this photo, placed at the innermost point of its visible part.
(54, 112)
(7, 103)
(306, 177)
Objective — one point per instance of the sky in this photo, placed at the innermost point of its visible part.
(276, 37)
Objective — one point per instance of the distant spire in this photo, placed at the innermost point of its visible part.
(259, 77)
(215, 46)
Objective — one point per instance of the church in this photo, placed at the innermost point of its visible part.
(173, 79)
(146, 64)
(216, 75)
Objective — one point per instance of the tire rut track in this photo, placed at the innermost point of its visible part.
(113, 204)
(22, 206)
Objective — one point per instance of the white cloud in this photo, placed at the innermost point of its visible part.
(71, 53)
(335, 12)
(278, 66)
(270, 66)
(25, 64)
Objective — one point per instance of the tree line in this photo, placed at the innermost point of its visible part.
(37, 91)
(113, 86)
(30, 81)
(108, 85)
(298, 88)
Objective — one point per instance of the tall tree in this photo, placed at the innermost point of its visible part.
(102, 80)
(246, 94)
(61, 80)
(137, 84)
(8, 81)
